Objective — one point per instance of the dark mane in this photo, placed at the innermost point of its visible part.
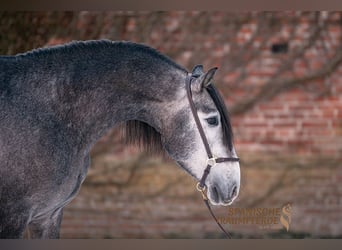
(221, 107)
(143, 135)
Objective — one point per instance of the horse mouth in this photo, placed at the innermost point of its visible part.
(216, 198)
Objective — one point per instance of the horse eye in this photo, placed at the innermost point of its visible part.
(212, 121)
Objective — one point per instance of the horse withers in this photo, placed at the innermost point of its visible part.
(55, 103)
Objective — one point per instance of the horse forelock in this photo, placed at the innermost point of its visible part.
(222, 109)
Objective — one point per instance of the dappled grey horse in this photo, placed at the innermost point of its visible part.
(55, 103)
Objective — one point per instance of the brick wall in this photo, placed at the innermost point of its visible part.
(305, 119)
(292, 123)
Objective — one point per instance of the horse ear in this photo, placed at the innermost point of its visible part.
(197, 70)
(203, 80)
(208, 77)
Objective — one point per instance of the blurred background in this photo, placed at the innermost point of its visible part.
(281, 76)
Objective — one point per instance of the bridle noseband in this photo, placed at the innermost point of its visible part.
(211, 161)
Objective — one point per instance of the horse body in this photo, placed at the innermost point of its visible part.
(56, 103)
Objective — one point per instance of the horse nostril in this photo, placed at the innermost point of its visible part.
(234, 192)
(216, 194)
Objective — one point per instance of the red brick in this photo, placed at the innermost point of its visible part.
(262, 73)
(329, 112)
(289, 124)
(272, 142)
(295, 95)
(283, 133)
(271, 106)
(251, 123)
(302, 106)
(315, 124)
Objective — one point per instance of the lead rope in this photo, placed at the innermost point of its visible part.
(211, 160)
(206, 202)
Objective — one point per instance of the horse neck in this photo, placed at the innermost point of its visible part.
(99, 100)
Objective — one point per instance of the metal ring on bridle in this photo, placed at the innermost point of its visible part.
(211, 161)
(202, 190)
(199, 188)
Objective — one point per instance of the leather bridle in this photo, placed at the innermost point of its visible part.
(211, 161)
